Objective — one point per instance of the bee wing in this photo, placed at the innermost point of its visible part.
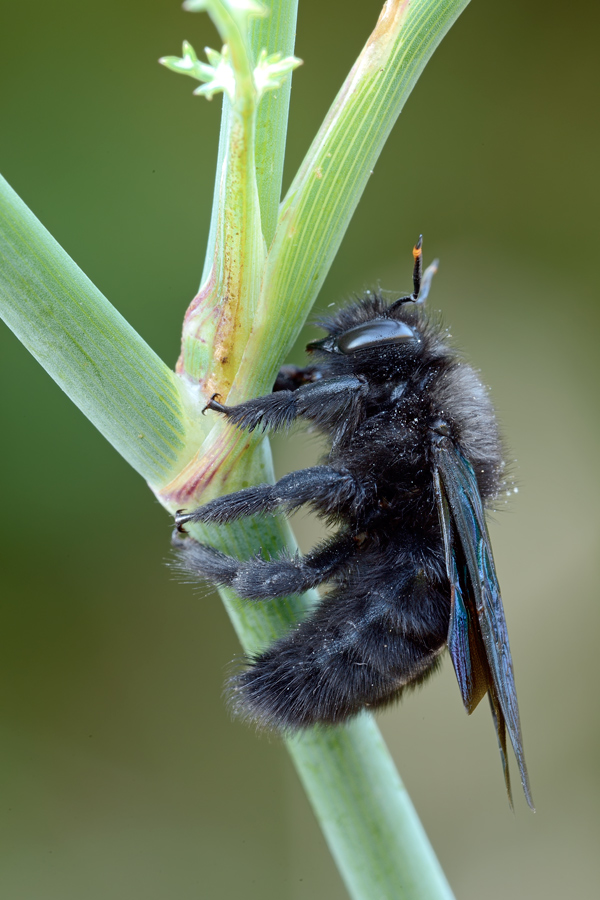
(464, 636)
(478, 637)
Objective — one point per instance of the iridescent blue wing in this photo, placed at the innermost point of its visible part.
(477, 636)
(464, 637)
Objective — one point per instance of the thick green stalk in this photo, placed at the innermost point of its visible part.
(220, 317)
(370, 824)
(88, 348)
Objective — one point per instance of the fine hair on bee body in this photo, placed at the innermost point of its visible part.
(414, 459)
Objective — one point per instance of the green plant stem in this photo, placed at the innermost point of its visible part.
(275, 32)
(370, 824)
(88, 348)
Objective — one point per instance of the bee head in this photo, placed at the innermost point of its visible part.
(374, 329)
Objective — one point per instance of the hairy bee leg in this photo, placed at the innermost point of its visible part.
(323, 401)
(261, 579)
(321, 486)
(359, 648)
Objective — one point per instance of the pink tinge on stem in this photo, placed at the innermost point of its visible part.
(208, 469)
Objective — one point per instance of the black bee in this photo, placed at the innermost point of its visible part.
(415, 457)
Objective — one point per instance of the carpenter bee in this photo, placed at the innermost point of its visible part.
(414, 459)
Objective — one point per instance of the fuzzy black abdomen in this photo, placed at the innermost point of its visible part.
(380, 630)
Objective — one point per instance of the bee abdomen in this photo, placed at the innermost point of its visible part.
(359, 648)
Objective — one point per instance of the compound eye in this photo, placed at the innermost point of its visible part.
(380, 331)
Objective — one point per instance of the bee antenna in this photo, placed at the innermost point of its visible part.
(417, 269)
(421, 281)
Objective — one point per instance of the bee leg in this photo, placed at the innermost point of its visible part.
(322, 486)
(261, 579)
(322, 401)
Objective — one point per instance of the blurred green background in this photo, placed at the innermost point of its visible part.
(121, 774)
